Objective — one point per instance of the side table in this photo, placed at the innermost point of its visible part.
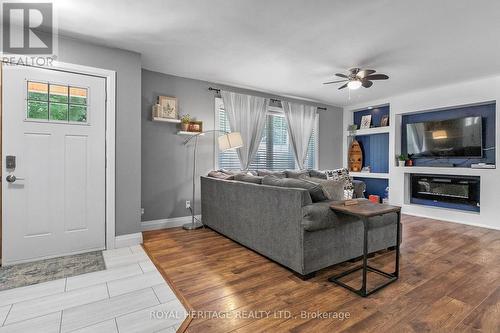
(365, 210)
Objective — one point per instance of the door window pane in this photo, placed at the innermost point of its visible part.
(77, 95)
(58, 111)
(78, 113)
(56, 102)
(58, 94)
(38, 91)
(38, 110)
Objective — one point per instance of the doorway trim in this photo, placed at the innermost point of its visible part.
(110, 138)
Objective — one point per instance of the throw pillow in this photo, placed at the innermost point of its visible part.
(315, 190)
(333, 189)
(278, 174)
(342, 175)
(296, 173)
(317, 174)
(243, 177)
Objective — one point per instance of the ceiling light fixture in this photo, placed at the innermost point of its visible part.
(354, 84)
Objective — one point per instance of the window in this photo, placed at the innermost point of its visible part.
(56, 103)
(275, 151)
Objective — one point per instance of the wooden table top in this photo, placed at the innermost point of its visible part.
(364, 208)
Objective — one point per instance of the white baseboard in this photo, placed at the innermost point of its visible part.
(429, 216)
(166, 223)
(128, 240)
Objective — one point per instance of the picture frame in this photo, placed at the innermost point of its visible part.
(167, 107)
(384, 122)
(366, 121)
(195, 126)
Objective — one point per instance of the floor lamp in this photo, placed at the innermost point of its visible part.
(226, 141)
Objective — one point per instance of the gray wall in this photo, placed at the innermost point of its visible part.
(330, 138)
(128, 123)
(167, 164)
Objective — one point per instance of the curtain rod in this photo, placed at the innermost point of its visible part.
(271, 99)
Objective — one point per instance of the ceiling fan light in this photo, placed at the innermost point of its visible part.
(354, 84)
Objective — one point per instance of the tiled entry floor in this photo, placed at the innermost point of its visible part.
(130, 295)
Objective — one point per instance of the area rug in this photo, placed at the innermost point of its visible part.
(21, 275)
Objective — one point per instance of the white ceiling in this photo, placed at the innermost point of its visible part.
(289, 47)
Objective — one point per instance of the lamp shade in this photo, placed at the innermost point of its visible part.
(230, 141)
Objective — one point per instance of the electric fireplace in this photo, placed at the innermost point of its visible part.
(457, 192)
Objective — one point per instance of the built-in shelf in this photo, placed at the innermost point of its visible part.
(369, 175)
(370, 131)
(185, 133)
(167, 120)
(444, 170)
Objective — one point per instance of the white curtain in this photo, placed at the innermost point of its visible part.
(301, 120)
(247, 115)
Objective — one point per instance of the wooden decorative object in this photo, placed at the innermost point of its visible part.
(351, 202)
(355, 157)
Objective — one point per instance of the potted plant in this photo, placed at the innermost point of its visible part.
(409, 161)
(402, 160)
(185, 119)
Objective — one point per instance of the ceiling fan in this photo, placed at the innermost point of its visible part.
(358, 77)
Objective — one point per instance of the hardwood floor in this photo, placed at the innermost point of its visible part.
(449, 281)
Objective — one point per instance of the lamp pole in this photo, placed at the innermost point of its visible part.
(194, 223)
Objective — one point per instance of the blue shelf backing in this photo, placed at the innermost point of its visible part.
(375, 147)
(375, 150)
(487, 113)
(377, 114)
(375, 186)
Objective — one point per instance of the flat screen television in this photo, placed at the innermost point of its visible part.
(451, 138)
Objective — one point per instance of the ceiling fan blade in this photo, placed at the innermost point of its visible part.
(365, 72)
(342, 75)
(367, 84)
(376, 77)
(354, 70)
(342, 87)
(335, 81)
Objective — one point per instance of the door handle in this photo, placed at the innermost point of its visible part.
(12, 179)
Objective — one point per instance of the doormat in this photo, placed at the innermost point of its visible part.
(26, 274)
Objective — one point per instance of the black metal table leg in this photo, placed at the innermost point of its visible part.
(398, 240)
(365, 255)
(365, 267)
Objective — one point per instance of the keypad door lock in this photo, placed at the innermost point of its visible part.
(10, 162)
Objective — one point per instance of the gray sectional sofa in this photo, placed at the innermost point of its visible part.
(286, 226)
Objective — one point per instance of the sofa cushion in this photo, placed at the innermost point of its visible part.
(319, 216)
(220, 174)
(243, 177)
(333, 189)
(359, 188)
(277, 174)
(317, 174)
(296, 173)
(314, 189)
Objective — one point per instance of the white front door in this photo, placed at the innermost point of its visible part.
(54, 196)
